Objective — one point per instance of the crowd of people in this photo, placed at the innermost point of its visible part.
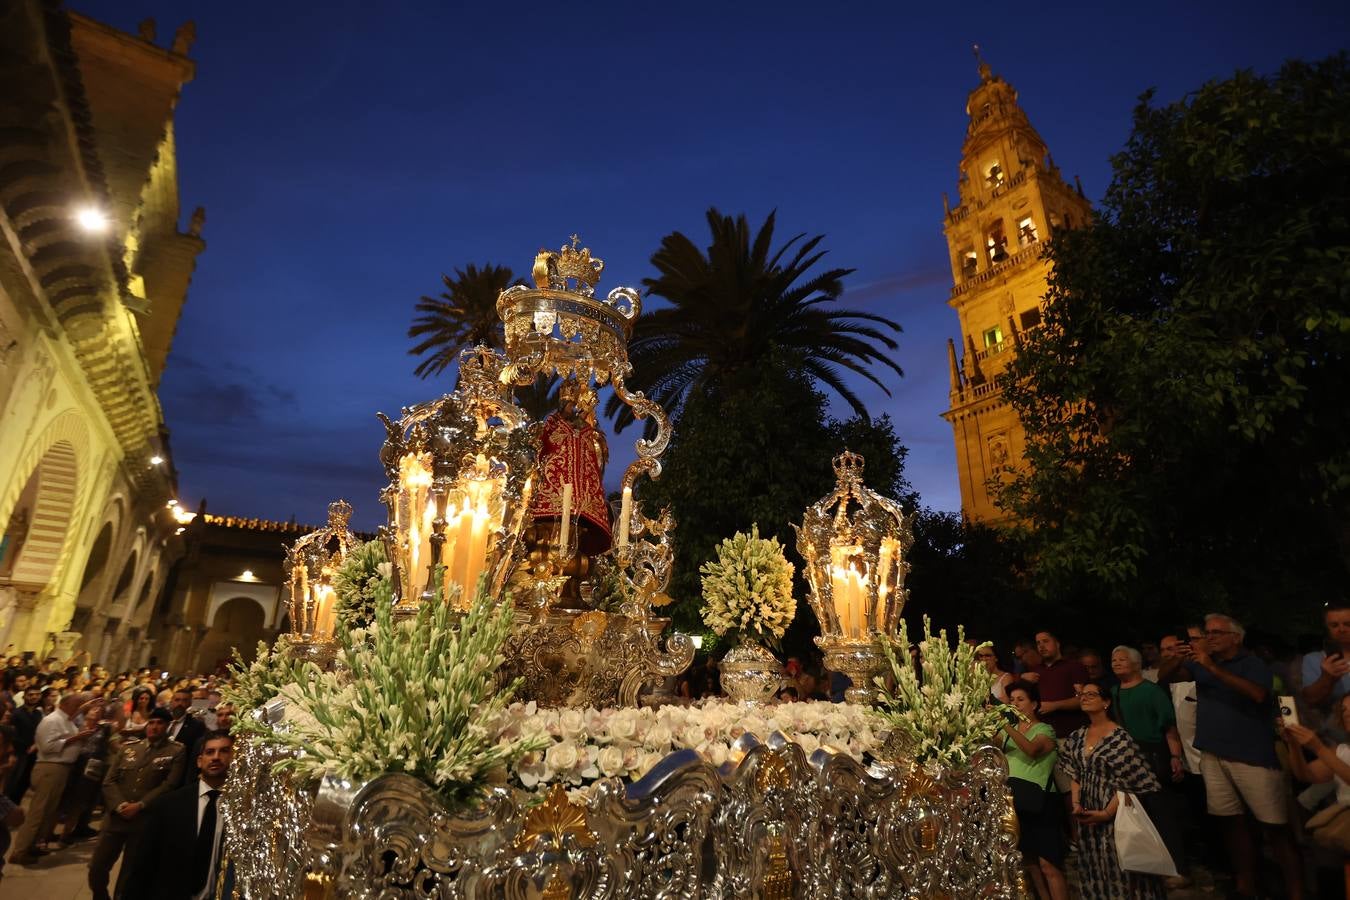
(1221, 745)
(150, 751)
(1192, 724)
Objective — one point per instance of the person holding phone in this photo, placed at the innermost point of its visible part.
(1326, 673)
(1030, 747)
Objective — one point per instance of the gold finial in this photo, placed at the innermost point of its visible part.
(848, 466)
(986, 73)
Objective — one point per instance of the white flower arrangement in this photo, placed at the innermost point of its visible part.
(748, 587)
(584, 745)
(416, 696)
(250, 685)
(947, 717)
(363, 573)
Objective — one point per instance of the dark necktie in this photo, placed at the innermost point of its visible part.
(206, 841)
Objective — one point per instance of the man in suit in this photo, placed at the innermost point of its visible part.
(186, 729)
(177, 856)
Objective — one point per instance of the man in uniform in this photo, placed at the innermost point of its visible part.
(139, 772)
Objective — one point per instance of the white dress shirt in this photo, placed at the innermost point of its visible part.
(50, 738)
(203, 788)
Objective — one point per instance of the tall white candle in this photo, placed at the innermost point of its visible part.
(625, 513)
(566, 531)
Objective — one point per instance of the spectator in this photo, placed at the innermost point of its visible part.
(1103, 759)
(140, 772)
(1058, 680)
(1026, 660)
(1237, 752)
(1152, 656)
(1030, 747)
(1326, 672)
(1002, 679)
(1145, 711)
(142, 704)
(82, 788)
(58, 746)
(26, 719)
(10, 814)
(186, 728)
(1096, 668)
(169, 861)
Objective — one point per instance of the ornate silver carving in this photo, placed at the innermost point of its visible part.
(774, 825)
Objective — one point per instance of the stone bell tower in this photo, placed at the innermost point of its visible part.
(1012, 198)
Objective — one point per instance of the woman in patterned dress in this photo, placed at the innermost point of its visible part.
(1102, 759)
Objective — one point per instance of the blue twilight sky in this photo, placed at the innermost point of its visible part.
(348, 154)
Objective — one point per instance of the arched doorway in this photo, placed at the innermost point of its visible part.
(238, 623)
(97, 562)
(37, 530)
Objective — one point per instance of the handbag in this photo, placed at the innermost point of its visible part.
(1330, 828)
(1139, 847)
(95, 768)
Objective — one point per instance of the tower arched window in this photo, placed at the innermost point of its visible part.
(996, 243)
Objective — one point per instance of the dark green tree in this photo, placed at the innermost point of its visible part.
(1187, 426)
(741, 304)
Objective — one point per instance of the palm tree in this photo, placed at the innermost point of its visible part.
(741, 305)
(466, 315)
(463, 316)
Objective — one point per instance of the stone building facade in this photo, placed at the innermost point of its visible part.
(1012, 199)
(95, 263)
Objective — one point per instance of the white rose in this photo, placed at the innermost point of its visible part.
(659, 736)
(623, 725)
(808, 742)
(562, 757)
(717, 753)
(611, 761)
(571, 723)
(649, 761)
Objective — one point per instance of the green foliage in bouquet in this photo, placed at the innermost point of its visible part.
(947, 717)
(417, 696)
(361, 575)
(611, 588)
(748, 587)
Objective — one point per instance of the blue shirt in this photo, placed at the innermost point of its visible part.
(1228, 724)
(1312, 670)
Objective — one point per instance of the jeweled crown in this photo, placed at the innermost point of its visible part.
(848, 466)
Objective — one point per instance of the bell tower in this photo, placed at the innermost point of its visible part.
(1012, 198)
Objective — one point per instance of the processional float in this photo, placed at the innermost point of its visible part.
(481, 492)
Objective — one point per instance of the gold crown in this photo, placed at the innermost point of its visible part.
(848, 465)
(559, 326)
(553, 270)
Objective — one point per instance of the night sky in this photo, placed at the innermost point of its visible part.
(348, 155)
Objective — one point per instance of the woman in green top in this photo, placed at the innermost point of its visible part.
(1029, 745)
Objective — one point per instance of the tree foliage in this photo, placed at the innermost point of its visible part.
(1188, 432)
(741, 304)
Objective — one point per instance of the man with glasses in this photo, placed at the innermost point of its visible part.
(1235, 737)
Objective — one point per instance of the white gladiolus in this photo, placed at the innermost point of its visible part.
(748, 587)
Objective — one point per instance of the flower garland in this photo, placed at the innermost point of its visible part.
(945, 718)
(584, 745)
(748, 587)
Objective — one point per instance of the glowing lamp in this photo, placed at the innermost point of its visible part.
(312, 563)
(91, 219)
(460, 471)
(854, 543)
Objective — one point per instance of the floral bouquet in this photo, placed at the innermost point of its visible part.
(748, 587)
(357, 583)
(947, 717)
(416, 696)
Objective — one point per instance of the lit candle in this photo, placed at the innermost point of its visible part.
(625, 513)
(566, 531)
(324, 610)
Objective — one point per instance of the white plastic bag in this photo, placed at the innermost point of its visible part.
(1138, 844)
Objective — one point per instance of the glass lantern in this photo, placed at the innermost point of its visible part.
(460, 470)
(854, 543)
(312, 563)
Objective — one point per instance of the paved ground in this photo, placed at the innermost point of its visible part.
(59, 876)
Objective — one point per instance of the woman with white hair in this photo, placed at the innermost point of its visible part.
(1145, 711)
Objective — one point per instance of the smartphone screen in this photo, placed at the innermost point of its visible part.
(1288, 711)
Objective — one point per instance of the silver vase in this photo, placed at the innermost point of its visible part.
(750, 673)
